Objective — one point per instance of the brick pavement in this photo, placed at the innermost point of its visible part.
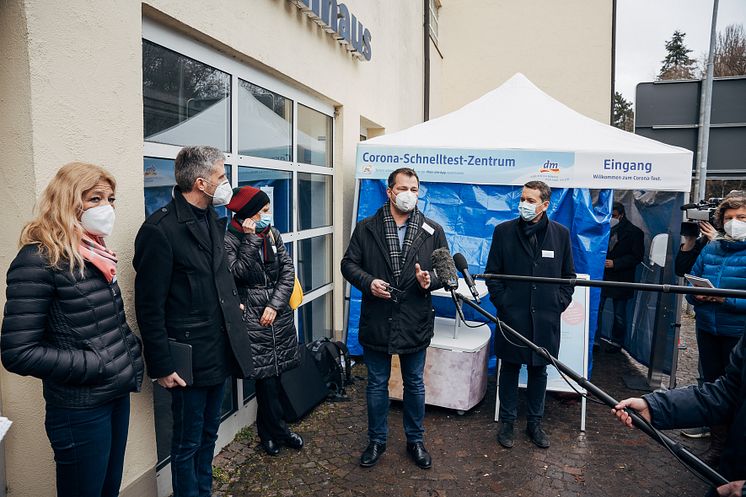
(606, 460)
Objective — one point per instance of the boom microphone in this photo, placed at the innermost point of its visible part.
(463, 267)
(444, 269)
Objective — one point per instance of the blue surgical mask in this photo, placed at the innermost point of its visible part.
(527, 210)
(264, 221)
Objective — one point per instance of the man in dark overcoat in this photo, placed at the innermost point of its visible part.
(626, 250)
(184, 292)
(388, 260)
(531, 245)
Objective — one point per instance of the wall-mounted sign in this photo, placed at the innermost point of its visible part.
(335, 18)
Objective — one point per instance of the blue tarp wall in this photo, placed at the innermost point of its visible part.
(469, 214)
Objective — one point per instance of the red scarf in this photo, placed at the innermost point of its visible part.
(97, 254)
(268, 241)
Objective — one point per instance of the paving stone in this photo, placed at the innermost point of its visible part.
(606, 460)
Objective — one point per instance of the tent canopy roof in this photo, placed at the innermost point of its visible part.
(518, 115)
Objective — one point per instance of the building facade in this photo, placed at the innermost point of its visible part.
(287, 93)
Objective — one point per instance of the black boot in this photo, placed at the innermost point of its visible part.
(505, 436)
(718, 435)
(537, 434)
(371, 454)
(419, 455)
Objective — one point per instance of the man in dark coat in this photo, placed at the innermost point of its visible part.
(387, 260)
(626, 250)
(185, 292)
(717, 403)
(531, 245)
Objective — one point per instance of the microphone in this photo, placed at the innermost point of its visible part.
(462, 266)
(444, 269)
(446, 272)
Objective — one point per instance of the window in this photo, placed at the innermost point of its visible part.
(278, 185)
(185, 102)
(434, 6)
(315, 319)
(315, 262)
(275, 137)
(265, 123)
(314, 200)
(314, 137)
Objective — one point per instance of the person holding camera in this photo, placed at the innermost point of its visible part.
(720, 321)
(387, 260)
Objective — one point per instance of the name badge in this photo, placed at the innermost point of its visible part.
(428, 228)
(274, 249)
(549, 254)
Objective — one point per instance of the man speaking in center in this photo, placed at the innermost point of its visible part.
(531, 245)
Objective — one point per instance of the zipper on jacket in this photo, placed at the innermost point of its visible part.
(272, 326)
(124, 334)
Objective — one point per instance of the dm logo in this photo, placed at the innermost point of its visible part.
(367, 169)
(550, 167)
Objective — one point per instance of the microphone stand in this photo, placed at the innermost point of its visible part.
(647, 287)
(712, 476)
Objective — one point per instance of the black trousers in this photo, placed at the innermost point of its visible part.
(270, 422)
(714, 353)
(619, 327)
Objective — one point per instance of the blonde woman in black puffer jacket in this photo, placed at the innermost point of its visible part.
(64, 323)
(264, 275)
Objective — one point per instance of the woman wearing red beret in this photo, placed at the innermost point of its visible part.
(265, 276)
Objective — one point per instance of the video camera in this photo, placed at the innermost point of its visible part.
(704, 210)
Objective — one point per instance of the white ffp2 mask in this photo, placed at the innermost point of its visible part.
(406, 201)
(99, 220)
(736, 229)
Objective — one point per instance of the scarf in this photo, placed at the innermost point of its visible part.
(535, 233)
(268, 255)
(97, 254)
(399, 254)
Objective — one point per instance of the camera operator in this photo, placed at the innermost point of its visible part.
(720, 321)
(692, 244)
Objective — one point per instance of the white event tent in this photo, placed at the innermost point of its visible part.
(517, 133)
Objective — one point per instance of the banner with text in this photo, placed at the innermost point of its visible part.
(516, 167)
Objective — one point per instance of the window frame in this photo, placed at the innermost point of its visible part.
(193, 49)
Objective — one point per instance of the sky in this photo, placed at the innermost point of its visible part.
(644, 26)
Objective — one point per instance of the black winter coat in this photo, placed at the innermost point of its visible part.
(712, 404)
(401, 327)
(626, 249)
(532, 309)
(184, 290)
(70, 331)
(274, 349)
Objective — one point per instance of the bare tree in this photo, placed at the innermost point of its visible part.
(730, 52)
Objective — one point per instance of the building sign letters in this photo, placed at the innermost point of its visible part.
(335, 18)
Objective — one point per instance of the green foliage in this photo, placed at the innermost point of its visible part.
(219, 475)
(677, 64)
(624, 114)
(245, 434)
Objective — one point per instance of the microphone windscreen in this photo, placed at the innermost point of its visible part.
(444, 268)
(460, 262)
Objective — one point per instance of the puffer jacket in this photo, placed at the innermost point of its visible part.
(721, 402)
(260, 285)
(70, 331)
(723, 262)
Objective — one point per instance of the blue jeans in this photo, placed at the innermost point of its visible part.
(377, 393)
(89, 447)
(196, 413)
(508, 392)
